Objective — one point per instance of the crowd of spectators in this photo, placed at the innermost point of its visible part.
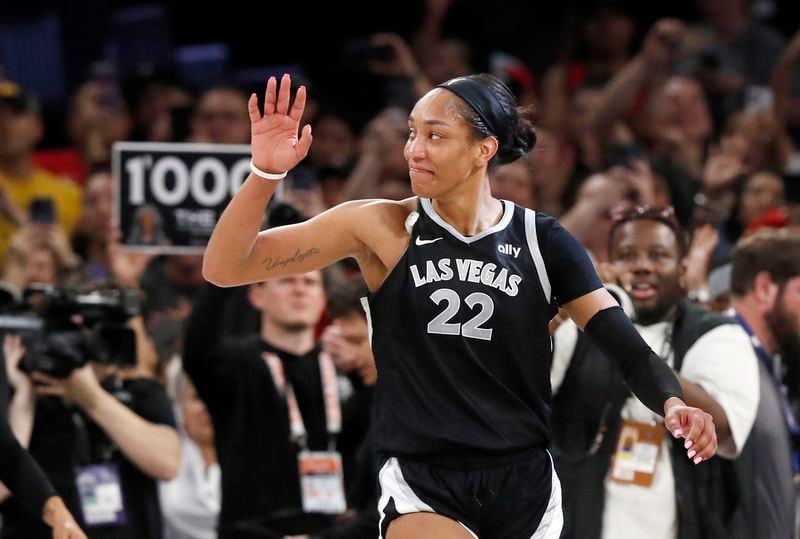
(674, 159)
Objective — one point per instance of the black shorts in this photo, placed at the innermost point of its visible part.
(518, 500)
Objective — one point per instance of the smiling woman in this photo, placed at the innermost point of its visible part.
(463, 286)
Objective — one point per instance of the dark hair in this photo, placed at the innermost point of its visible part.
(665, 216)
(282, 214)
(490, 108)
(345, 298)
(775, 251)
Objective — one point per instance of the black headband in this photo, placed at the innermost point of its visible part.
(480, 99)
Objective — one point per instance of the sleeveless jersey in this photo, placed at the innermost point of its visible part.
(459, 330)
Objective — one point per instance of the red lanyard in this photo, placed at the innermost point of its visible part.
(330, 393)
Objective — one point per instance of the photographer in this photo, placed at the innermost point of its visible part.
(18, 471)
(102, 430)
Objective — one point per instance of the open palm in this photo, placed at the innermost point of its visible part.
(274, 135)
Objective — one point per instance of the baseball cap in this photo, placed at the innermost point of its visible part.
(12, 95)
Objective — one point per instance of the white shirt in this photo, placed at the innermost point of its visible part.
(190, 503)
(723, 363)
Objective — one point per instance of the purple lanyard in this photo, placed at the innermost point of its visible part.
(768, 362)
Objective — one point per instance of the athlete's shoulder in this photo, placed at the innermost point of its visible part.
(544, 221)
(383, 205)
(380, 212)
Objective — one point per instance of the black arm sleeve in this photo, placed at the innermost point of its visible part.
(649, 377)
(21, 474)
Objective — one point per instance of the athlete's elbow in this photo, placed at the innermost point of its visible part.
(216, 273)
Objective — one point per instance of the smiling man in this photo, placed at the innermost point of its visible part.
(622, 476)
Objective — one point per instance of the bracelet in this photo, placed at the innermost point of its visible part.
(266, 175)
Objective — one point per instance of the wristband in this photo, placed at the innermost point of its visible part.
(266, 175)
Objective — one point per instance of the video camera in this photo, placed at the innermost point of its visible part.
(63, 328)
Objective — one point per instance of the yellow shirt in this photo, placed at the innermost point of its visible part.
(65, 193)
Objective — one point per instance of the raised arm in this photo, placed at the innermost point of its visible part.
(237, 252)
(652, 64)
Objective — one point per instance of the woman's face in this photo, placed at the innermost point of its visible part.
(440, 151)
(97, 204)
(41, 266)
(682, 105)
(762, 139)
(762, 191)
(515, 182)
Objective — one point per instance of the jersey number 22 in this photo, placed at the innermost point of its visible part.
(441, 325)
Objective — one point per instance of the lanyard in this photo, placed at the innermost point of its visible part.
(330, 393)
(767, 361)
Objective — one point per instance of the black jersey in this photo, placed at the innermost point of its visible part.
(460, 335)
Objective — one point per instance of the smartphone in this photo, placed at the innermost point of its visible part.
(42, 210)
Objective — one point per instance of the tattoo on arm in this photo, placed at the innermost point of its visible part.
(271, 263)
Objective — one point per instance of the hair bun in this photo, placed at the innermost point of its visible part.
(520, 142)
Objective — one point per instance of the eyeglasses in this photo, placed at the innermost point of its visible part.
(622, 214)
(663, 215)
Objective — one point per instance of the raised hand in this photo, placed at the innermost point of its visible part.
(704, 241)
(274, 135)
(662, 43)
(721, 170)
(126, 266)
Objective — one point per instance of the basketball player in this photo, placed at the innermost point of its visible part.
(462, 288)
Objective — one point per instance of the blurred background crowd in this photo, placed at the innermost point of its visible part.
(691, 105)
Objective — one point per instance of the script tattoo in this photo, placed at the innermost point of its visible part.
(298, 256)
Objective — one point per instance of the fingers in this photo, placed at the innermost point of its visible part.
(706, 445)
(11, 340)
(41, 378)
(673, 424)
(284, 94)
(701, 443)
(299, 104)
(695, 429)
(252, 109)
(305, 141)
(271, 96)
(701, 438)
(53, 391)
(384, 38)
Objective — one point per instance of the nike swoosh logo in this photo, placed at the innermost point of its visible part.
(420, 241)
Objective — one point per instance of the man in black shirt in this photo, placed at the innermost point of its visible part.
(245, 384)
